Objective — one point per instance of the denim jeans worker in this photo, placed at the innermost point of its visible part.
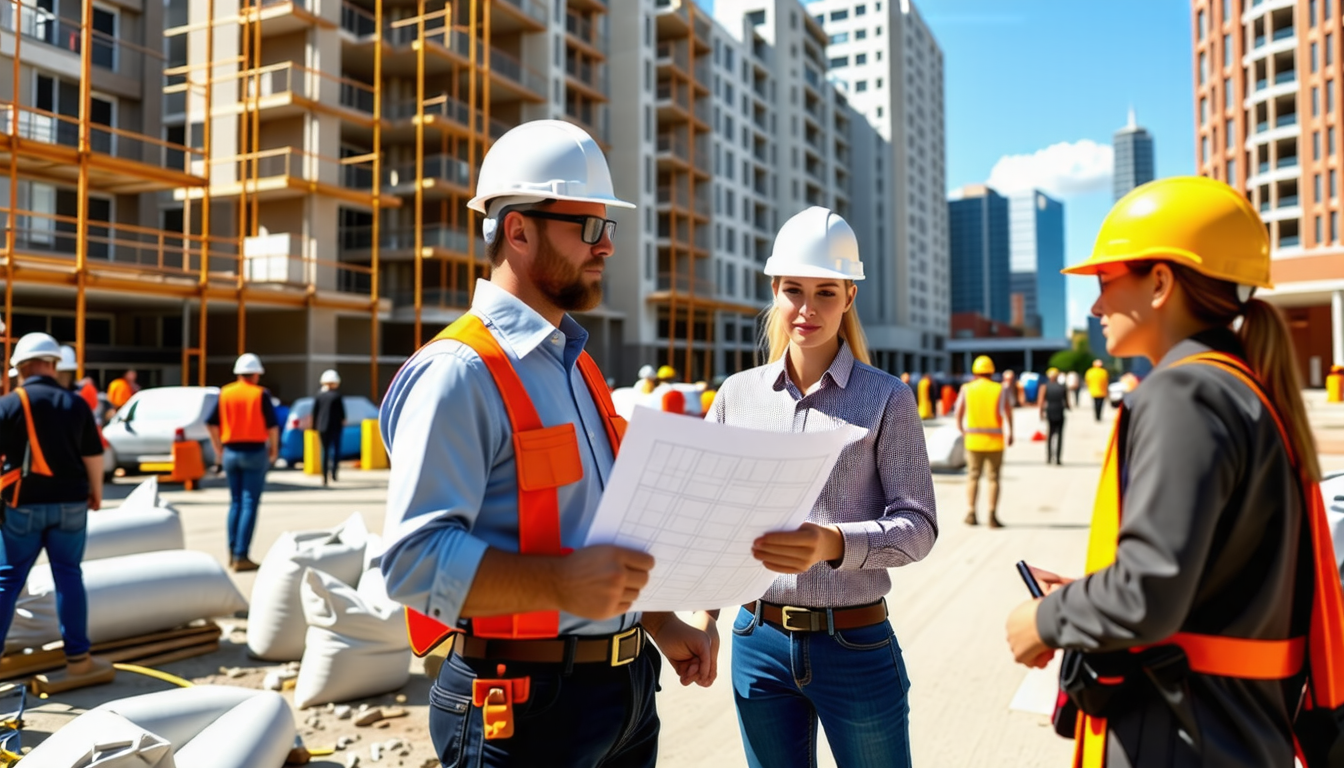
(853, 680)
(595, 715)
(246, 471)
(331, 454)
(58, 528)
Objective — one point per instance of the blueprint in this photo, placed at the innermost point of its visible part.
(695, 494)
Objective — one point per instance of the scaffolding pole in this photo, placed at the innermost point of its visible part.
(377, 195)
(82, 209)
(419, 213)
(11, 231)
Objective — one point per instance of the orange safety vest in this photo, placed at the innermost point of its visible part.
(35, 462)
(545, 459)
(1323, 648)
(984, 417)
(90, 395)
(673, 401)
(118, 392)
(241, 419)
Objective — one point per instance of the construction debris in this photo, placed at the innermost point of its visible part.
(146, 650)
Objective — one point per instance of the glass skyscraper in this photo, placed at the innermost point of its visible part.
(1036, 256)
(978, 230)
(1133, 157)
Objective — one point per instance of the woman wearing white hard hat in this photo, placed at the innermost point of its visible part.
(876, 512)
(329, 421)
(245, 435)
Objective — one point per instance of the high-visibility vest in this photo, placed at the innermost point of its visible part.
(89, 393)
(1323, 647)
(241, 419)
(926, 398)
(984, 415)
(673, 401)
(545, 458)
(118, 392)
(33, 463)
(1097, 381)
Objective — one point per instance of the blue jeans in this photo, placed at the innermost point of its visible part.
(246, 471)
(331, 454)
(597, 715)
(853, 681)
(59, 528)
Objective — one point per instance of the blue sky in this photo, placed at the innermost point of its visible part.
(1023, 76)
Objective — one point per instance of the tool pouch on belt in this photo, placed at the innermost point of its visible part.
(1106, 684)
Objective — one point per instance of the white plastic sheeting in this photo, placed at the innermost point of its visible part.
(128, 596)
(101, 739)
(356, 641)
(208, 726)
(946, 448)
(275, 623)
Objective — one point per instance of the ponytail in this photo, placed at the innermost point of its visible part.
(774, 339)
(1269, 352)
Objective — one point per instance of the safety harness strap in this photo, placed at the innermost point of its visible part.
(35, 461)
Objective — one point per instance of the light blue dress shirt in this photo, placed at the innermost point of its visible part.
(453, 490)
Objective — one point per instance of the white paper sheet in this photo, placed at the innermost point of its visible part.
(695, 494)
(1039, 689)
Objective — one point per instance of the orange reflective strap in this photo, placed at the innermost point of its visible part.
(1241, 657)
(39, 461)
(597, 386)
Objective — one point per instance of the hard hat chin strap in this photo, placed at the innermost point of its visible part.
(1244, 293)
(498, 208)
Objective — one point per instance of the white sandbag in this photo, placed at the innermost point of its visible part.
(275, 625)
(1332, 493)
(123, 531)
(130, 595)
(946, 448)
(356, 641)
(258, 733)
(178, 714)
(373, 552)
(145, 495)
(102, 739)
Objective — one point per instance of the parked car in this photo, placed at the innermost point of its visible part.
(148, 423)
(300, 418)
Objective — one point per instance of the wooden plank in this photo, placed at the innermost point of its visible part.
(178, 655)
(27, 664)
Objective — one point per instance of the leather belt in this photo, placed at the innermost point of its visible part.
(793, 619)
(614, 650)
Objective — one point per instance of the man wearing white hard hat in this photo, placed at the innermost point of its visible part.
(53, 476)
(648, 380)
(502, 436)
(246, 438)
(329, 421)
(875, 512)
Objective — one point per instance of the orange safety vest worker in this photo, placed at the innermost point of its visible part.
(546, 458)
(1097, 381)
(1322, 650)
(984, 415)
(90, 395)
(926, 397)
(674, 401)
(35, 463)
(241, 419)
(118, 392)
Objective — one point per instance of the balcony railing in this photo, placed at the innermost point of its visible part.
(1285, 77)
(435, 168)
(1282, 33)
(359, 22)
(585, 30)
(593, 75)
(41, 25)
(50, 128)
(533, 8)
(682, 197)
(305, 83)
(1289, 241)
(1261, 84)
(291, 163)
(510, 67)
(671, 52)
(1259, 41)
(1287, 201)
(1285, 120)
(440, 236)
(683, 283)
(675, 145)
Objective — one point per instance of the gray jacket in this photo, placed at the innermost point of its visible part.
(1209, 541)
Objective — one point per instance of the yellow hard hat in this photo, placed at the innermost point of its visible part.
(982, 366)
(1051, 373)
(667, 372)
(1190, 220)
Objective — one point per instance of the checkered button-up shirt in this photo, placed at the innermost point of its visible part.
(880, 493)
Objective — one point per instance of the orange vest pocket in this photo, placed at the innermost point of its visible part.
(547, 458)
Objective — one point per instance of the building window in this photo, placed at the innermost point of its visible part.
(1334, 190)
(879, 111)
(1202, 24)
(1318, 229)
(1227, 11)
(1203, 67)
(1231, 132)
(839, 37)
(1227, 94)
(1316, 145)
(860, 86)
(1330, 97)
(1327, 9)
(1334, 226)
(1330, 141)
(837, 62)
(879, 84)
(860, 10)
(877, 31)
(1315, 101)
(1316, 188)
(1204, 150)
(839, 15)
(860, 34)
(1231, 171)
(1203, 110)
(1311, 22)
(860, 59)
(1329, 49)
(1314, 57)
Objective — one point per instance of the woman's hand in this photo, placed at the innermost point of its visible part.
(797, 551)
(1023, 639)
(691, 647)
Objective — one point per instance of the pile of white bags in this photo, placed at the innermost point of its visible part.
(356, 642)
(275, 623)
(946, 448)
(143, 523)
(128, 596)
(208, 726)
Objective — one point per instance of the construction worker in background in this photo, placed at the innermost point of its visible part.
(984, 414)
(1075, 384)
(1212, 592)
(1010, 388)
(876, 512)
(905, 379)
(1054, 401)
(329, 421)
(53, 477)
(648, 379)
(1098, 382)
(65, 374)
(507, 393)
(121, 390)
(666, 397)
(245, 433)
(925, 396)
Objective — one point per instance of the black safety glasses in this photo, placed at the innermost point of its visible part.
(593, 226)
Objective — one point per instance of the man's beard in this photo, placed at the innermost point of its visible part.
(564, 284)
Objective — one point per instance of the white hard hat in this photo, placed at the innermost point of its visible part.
(35, 346)
(330, 376)
(13, 373)
(68, 361)
(546, 159)
(248, 363)
(647, 372)
(815, 243)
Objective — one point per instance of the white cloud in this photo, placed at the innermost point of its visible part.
(1061, 170)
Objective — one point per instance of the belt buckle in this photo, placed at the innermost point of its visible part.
(619, 642)
(786, 614)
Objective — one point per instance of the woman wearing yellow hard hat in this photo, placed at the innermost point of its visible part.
(875, 512)
(1208, 630)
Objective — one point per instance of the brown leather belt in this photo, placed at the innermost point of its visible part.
(614, 650)
(792, 619)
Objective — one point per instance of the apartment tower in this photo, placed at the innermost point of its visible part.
(1269, 79)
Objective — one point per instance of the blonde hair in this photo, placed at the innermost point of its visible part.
(1269, 351)
(774, 341)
